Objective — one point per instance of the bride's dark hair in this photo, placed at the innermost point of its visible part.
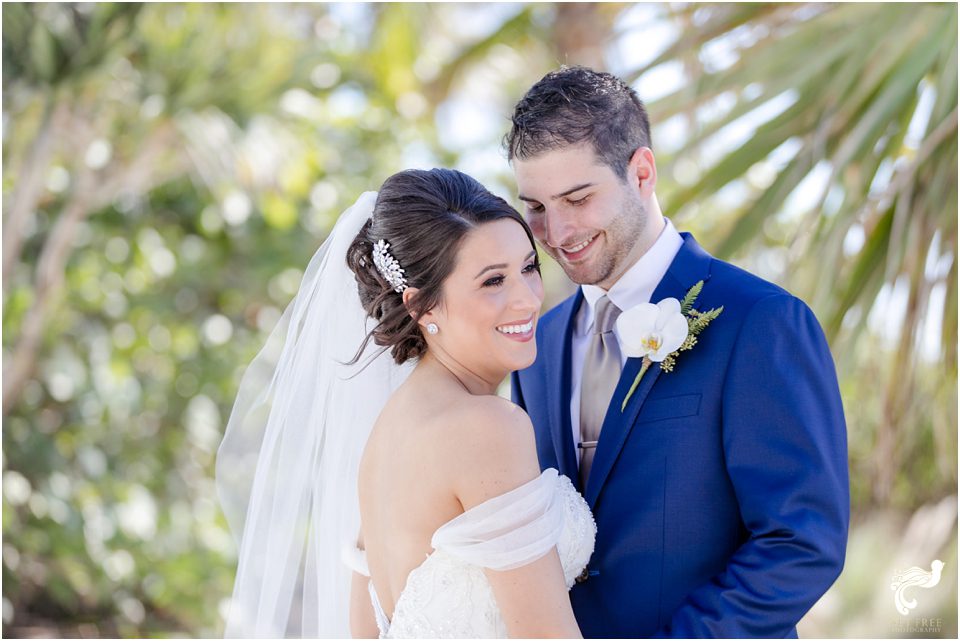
(424, 216)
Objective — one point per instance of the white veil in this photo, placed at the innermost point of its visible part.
(287, 466)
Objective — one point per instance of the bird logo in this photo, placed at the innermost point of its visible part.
(914, 577)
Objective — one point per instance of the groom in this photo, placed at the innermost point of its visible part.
(720, 489)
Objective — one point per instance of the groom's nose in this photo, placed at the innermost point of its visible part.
(558, 227)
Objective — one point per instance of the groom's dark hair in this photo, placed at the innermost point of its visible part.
(573, 105)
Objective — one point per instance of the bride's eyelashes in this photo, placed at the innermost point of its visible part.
(496, 281)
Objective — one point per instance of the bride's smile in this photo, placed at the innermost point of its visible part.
(518, 331)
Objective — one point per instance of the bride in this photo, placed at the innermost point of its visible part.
(374, 481)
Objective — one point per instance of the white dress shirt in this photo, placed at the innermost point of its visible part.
(636, 286)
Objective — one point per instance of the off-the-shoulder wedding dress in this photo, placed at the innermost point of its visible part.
(448, 595)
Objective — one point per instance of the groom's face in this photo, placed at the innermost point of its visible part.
(582, 214)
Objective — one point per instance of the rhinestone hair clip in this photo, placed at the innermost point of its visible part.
(388, 266)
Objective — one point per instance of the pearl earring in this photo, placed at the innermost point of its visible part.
(432, 328)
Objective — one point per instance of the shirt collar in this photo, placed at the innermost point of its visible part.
(638, 283)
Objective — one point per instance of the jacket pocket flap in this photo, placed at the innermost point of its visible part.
(658, 409)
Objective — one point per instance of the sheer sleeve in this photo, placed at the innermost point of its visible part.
(510, 530)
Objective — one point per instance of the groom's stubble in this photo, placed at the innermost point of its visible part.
(623, 246)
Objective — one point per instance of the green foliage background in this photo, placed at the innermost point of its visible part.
(168, 169)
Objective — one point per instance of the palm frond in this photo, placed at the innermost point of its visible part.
(867, 99)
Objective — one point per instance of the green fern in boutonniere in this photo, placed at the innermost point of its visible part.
(658, 333)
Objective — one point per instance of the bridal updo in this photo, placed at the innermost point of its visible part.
(423, 216)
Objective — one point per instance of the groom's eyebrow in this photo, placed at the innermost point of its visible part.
(503, 265)
(555, 196)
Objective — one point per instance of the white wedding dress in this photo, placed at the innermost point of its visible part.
(448, 595)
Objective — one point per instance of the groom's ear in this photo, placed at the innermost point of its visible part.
(642, 171)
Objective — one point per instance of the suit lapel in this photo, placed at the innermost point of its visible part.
(559, 347)
(690, 265)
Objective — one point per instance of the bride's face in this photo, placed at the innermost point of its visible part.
(491, 302)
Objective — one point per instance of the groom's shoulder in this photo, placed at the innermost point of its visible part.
(724, 275)
(739, 289)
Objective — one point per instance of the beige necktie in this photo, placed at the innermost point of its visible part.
(601, 371)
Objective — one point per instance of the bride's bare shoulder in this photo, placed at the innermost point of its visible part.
(483, 420)
(490, 448)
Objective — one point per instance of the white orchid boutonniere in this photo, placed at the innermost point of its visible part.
(658, 333)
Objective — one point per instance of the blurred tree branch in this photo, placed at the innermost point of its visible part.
(93, 191)
(30, 183)
(57, 52)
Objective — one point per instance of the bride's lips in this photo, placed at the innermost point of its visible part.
(577, 252)
(521, 331)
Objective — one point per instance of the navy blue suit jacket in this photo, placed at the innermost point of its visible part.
(720, 493)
